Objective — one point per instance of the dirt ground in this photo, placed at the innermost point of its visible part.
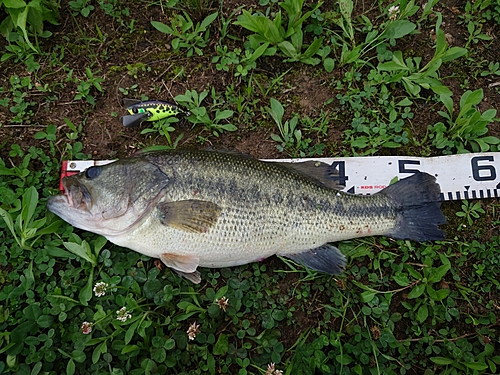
(104, 137)
(100, 42)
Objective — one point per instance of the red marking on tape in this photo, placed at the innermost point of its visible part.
(64, 173)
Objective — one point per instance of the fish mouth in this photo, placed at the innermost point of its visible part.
(77, 195)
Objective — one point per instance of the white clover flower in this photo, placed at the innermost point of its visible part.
(272, 371)
(193, 330)
(393, 12)
(86, 327)
(100, 289)
(223, 303)
(123, 315)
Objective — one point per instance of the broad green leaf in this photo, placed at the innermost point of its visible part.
(10, 223)
(221, 115)
(442, 360)
(30, 277)
(349, 56)
(130, 348)
(208, 20)
(401, 279)
(296, 38)
(306, 15)
(411, 87)
(14, 4)
(67, 299)
(288, 49)
(344, 359)
(221, 292)
(367, 296)
(32, 312)
(313, 48)
(479, 366)
(390, 144)
(438, 273)
(70, 367)
(399, 29)
(29, 202)
(360, 142)
(405, 102)
(489, 115)
(416, 291)
(79, 250)
(4, 171)
(329, 64)
(258, 52)
(448, 102)
(276, 138)
(441, 90)
(249, 22)
(277, 111)
(229, 127)
(422, 313)
(99, 244)
(491, 140)
(222, 345)
(392, 66)
(346, 8)
(169, 344)
(453, 53)
(78, 356)
(100, 349)
(441, 294)
(162, 27)
(471, 98)
(441, 44)
(130, 331)
(86, 292)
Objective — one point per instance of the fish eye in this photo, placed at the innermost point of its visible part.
(92, 172)
(135, 110)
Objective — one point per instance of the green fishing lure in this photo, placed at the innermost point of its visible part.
(150, 110)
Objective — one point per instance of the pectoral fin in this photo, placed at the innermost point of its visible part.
(191, 215)
(326, 258)
(182, 263)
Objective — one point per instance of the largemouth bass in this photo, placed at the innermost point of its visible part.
(208, 209)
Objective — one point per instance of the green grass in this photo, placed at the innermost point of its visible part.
(72, 303)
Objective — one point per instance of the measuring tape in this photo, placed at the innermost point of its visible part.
(465, 176)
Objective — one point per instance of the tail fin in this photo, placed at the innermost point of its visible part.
(417, 199)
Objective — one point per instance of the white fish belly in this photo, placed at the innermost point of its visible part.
(241, 237)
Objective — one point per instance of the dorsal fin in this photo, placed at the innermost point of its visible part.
(317, 170)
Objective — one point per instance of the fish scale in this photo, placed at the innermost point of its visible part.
(209, 209)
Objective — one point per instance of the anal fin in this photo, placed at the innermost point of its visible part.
(326, 258)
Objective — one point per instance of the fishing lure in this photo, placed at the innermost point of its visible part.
(150, 110)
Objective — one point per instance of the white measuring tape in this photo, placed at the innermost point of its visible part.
(464, 176)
